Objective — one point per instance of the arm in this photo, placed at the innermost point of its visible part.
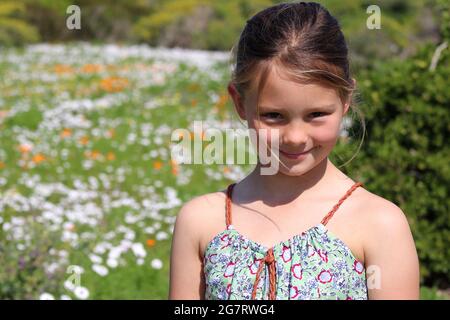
(186, 272)
(390, 255)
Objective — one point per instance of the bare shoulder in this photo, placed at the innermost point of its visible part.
(186, 258)
(196, 208)
(389, 251)
(204, 208)
(380, 219)
(202, 216)
(380, 212)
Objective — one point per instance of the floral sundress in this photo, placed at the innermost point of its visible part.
(312, 265)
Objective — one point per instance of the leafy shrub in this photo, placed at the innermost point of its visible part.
(13, 29)
(405, 153)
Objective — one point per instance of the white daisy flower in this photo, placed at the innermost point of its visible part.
(138, 250)
(101, 270)
(69, 285)
(161, 235)
(156, 264)
(95, 258)
(149, 230)
(81, 293)
(46, 296)
(112, 263)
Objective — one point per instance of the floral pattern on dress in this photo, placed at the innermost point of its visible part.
(312, 265)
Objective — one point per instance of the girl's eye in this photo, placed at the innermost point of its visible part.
(318, 114)
(272, 115)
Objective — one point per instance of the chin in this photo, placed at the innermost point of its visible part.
(294, 172)
(298, 169)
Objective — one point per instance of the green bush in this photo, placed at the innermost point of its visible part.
(405, 152)
(13, 29)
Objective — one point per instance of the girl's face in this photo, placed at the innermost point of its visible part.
(307, 117)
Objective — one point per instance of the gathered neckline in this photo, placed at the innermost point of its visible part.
(260, 248)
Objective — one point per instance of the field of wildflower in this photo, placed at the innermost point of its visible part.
(88, 189)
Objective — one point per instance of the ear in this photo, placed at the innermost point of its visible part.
(349, 100)
(237, 100)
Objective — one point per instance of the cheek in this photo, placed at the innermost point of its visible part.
(328, 133)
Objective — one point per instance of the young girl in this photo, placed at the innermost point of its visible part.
(308, 231)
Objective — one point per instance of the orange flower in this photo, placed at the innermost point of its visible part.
(194, 102)
(150, 242)
(157, 165)
(95, 154)
(38, 158)
(2, 165)
(111, 156)
(226, 169)
(114, 84)
(66, 133)
(25, 148)
(91, 68)
(84, 140)
(222, 101)
(62, 68)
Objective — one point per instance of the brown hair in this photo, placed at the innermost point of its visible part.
(303, 39)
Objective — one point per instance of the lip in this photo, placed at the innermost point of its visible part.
(296, 155)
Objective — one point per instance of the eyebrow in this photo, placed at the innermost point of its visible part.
(326, 107)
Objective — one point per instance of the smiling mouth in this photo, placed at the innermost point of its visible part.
(295, 155)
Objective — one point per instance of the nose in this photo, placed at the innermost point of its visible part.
(294, 135)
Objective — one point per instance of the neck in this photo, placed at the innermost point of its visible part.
(281, 188)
